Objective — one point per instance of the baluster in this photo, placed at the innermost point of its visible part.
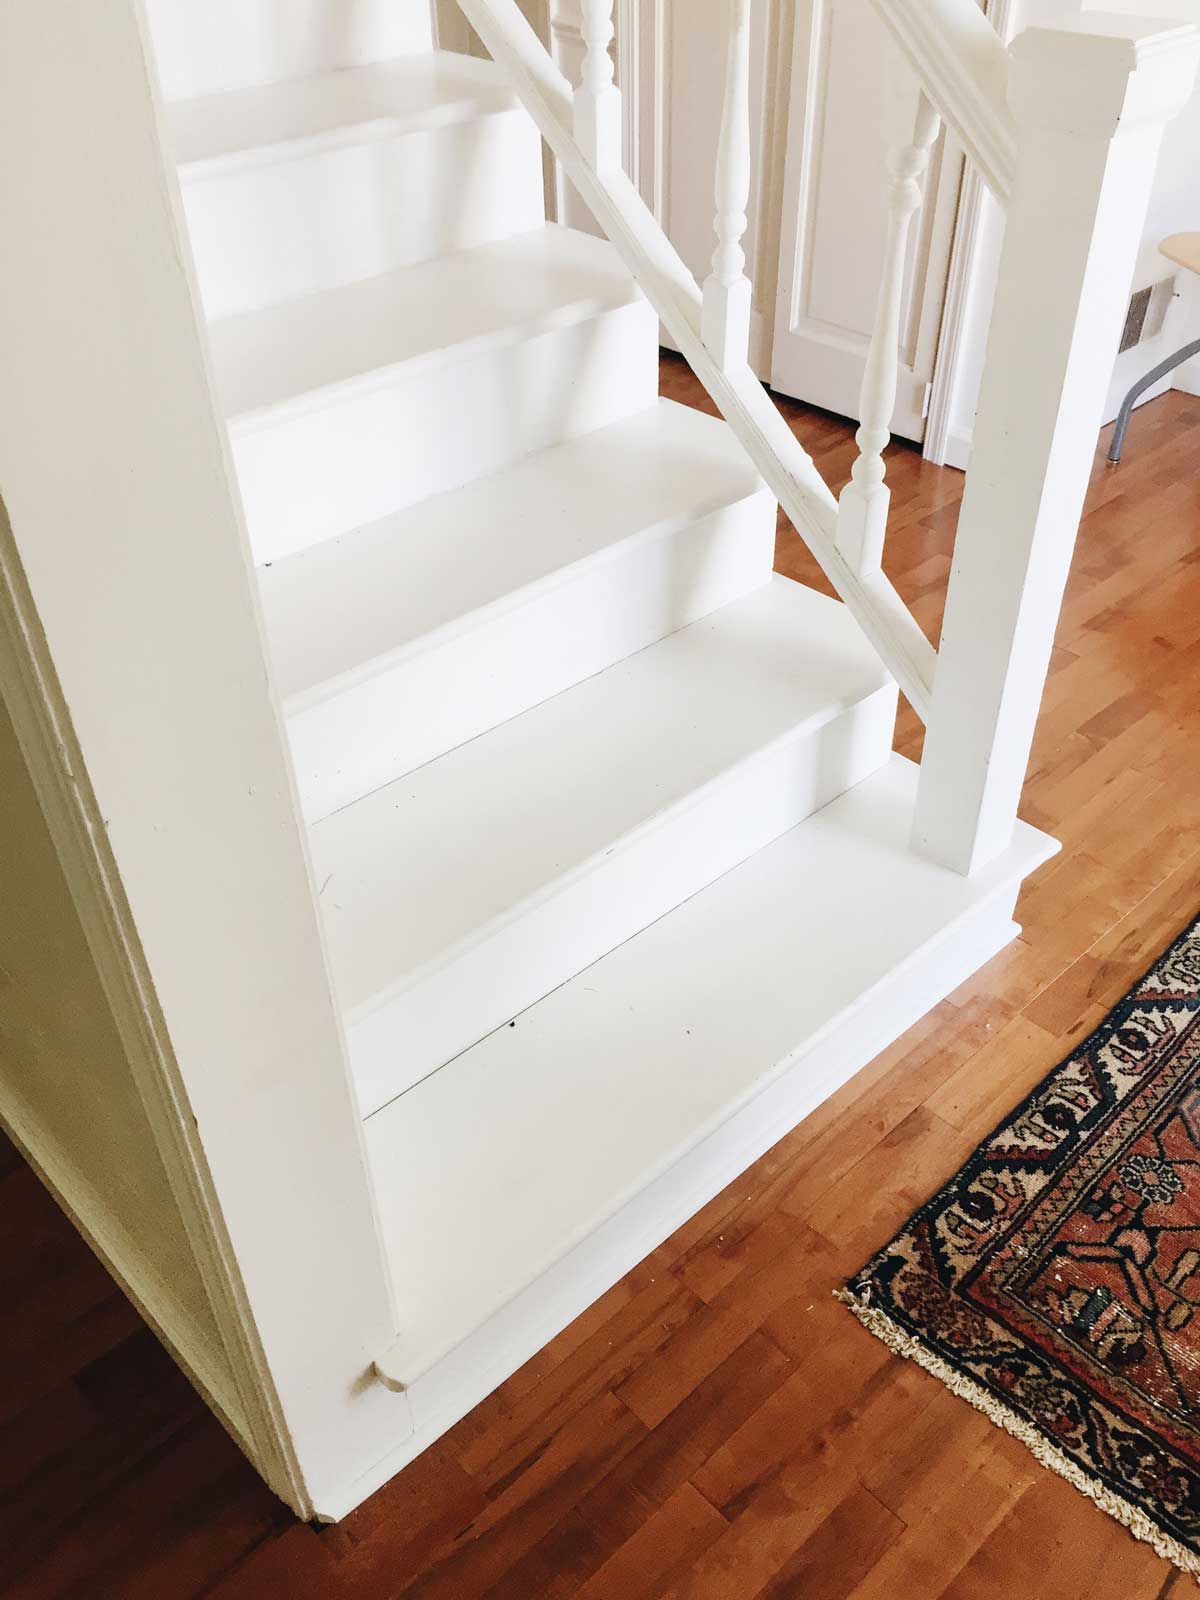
(863, 505)
(597, 100)
(725, 326)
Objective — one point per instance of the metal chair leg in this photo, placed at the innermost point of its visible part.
(1140, 387)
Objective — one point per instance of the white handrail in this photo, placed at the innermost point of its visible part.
(962, 65)
(781, 460)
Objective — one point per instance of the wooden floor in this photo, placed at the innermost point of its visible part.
(717, 1428)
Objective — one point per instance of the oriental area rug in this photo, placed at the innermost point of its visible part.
(1054, 1282)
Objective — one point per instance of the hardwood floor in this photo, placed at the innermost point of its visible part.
(717, 1428)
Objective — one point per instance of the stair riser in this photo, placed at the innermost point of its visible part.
(311, 471)
(230, 44)
(450, 1008)
(275, 228)
(507, 660)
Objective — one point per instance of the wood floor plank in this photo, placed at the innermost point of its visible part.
(682, 1529)
(717, 1427)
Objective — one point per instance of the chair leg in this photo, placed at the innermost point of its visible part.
(1140, 387)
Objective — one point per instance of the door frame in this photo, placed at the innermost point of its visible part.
(944, 444)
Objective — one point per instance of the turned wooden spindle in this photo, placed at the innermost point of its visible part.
(597, 100)
(863, 505)
(726, 318)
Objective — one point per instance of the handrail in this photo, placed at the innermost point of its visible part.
(962, 65)
(671, 289)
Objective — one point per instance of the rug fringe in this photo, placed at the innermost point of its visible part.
(1121, 1510)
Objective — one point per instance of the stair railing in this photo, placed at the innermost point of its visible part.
(672, 290)
(1064, 129)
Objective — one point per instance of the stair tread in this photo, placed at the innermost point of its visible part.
(385, 98)
(423, 868)
(438, 310)
(537, 1134)
(343, 608)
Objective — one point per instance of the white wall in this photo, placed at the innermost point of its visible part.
(66, 1087)
(1175, 207)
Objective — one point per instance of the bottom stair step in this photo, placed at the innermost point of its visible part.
(565, 1148)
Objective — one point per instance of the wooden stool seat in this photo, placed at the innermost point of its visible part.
(1183, 249)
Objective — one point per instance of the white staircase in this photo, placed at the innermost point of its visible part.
(540, 685)
(590, 870)
(606, 831)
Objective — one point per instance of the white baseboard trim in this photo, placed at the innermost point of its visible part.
(958, 449)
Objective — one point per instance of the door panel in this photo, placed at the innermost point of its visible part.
(851, 97)
(673, 53)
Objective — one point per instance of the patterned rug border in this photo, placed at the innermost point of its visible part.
(905, 1344)
(909, 1346)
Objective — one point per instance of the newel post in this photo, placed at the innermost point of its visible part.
(1090, 109)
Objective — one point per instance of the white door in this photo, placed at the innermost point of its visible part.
(851, 96)
(671, 60)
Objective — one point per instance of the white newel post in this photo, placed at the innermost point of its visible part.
(863, 503)
(727, 292)
(1090, 109)
(597, 100)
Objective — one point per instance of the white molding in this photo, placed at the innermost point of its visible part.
(769, 179)
(951, 338)
(958, 449)
(629, 74)
(943, 443)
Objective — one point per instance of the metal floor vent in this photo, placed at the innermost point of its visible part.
(1147, 312)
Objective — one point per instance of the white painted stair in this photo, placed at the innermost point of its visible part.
(566, 1148)
(609, 843)
(301, 186)
(355, 402)
(543, 844)
(407, 637)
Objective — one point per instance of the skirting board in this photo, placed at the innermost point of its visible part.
(542, 1311)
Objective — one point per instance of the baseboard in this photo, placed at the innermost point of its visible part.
(958, 449)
